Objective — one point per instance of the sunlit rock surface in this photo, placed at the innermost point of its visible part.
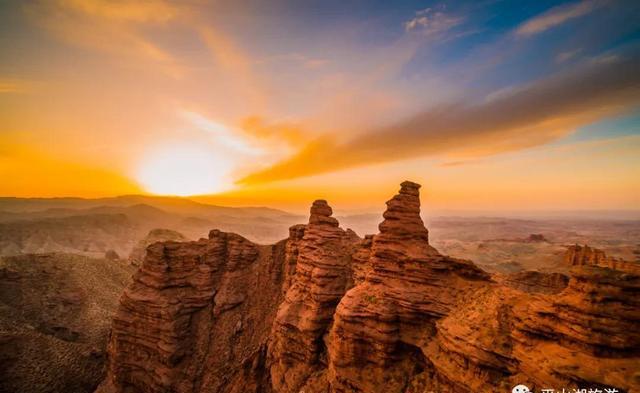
(327, 311)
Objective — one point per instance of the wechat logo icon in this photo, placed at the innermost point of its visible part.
(521, 389)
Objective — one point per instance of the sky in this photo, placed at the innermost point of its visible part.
(490, 105)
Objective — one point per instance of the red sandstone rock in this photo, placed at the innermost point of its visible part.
(536, 282)
(536, 238)
(155, 235)
(574, 339)
(577, 255)
(326, 311)
(321, 278)
(382, 323)
(197, 314)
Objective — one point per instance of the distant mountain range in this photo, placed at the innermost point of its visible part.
(168, 204)
(91, 227)
(94, 226)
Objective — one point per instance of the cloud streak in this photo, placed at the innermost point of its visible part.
(532, 115)
(222, 135)
(116, 29)
(15, 86)
(430, 22)
(568, 55)
(557, 16)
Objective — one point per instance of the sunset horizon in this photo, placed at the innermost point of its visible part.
(263, 105)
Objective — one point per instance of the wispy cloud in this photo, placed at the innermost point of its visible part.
(309, 62)
(143, 11)
(533, 115)
(113, 28)
(449, 164)
(222, 135)
(567, 55)
(431, 22)
(290, 133)
(557, 16)
(15, 86)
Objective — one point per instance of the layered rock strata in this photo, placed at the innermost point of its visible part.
(326, 311)
(535, 282)
(154, 236)
(584, 336)
(577, 255)
(196, 316)
(321, 279)
(382, 324)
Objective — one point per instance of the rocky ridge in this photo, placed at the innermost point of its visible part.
(577, 255)
(155, 235)
(326, 311)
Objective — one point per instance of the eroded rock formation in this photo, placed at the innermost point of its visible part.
(321, 278)
(326, 311)
(155, 235)
(535, 282)
(536, 238)
(196, 315)
(382, 323)
(571, 339)
(577, 255)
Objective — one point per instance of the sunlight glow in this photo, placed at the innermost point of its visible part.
(184, 170)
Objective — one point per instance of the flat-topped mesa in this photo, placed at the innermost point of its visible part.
(321, 214)
(577, 255)
(402, 217)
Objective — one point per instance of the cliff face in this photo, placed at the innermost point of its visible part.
(382, 324)
(155, 235)
(577, 255)
(321, 278)
(196, 316)
(326, 311)
(582, 336)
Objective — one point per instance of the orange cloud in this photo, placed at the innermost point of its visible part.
(529, 116)
(292, 133)
(15, 86)
(143, 11)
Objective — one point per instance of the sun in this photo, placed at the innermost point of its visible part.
(183, 170)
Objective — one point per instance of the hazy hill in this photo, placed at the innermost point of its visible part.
(93, 226)
(168, 204)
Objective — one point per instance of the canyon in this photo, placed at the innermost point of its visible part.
(328, 311)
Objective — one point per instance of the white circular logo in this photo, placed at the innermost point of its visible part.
(520, 389)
